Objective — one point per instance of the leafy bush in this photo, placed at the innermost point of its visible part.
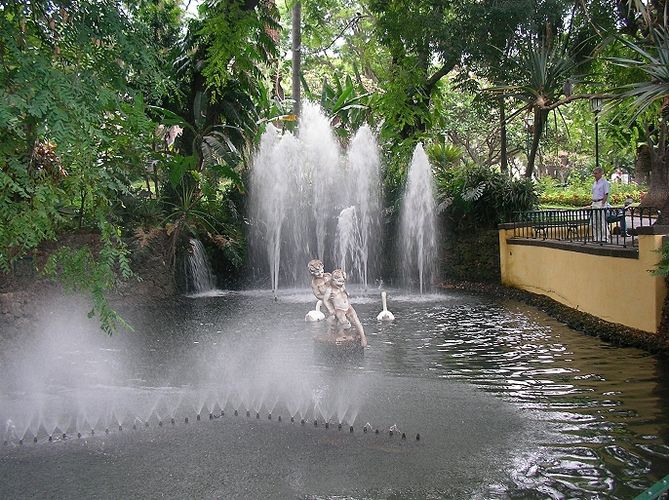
(475, 197)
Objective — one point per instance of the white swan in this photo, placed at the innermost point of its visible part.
(385, 315)
(316, 315)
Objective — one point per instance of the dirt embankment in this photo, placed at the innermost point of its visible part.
(25, 288)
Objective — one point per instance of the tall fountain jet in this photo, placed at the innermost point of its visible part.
(310, 200)
(418, 224)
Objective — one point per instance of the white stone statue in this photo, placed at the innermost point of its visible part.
(341, 311)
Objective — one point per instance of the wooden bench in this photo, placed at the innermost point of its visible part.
(572, 227)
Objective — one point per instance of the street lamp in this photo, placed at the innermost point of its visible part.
(596, 104)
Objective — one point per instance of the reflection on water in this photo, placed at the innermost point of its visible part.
(597, 414)
(606, 406)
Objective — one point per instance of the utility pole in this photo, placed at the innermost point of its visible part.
(297, 55)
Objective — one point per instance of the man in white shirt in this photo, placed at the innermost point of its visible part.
(600, 199)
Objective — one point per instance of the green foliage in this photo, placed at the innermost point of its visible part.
(475, 197)
(578, 193)
(662, 268)
(79, 270)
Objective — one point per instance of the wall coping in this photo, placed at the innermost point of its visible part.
(592, 248)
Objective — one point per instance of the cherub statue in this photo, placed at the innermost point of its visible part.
(335, 299)
(320, 280)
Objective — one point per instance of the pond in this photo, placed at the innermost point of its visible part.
(472, 397)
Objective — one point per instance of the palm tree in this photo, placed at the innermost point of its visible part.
(541, 72)
(650, 58)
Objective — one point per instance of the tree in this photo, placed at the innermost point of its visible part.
(646, 37)
(72, 77)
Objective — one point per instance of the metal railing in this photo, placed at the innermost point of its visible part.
(600, 226)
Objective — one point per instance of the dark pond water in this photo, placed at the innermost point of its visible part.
(508, 404)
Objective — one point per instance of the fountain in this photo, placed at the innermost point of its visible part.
(300, 186)
(418, 225)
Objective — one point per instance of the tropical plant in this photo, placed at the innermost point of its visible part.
(475, 197)
(649, 58)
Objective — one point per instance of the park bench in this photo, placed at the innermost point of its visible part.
(573, 228)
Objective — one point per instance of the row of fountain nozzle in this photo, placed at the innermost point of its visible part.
(212, 416)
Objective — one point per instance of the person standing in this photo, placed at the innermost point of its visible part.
(600, 199)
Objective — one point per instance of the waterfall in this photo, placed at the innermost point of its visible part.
(199, 277)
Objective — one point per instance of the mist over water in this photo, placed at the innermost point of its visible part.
(529, 405)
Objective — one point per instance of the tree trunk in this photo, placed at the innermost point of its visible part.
(297, 53)
(503, 158)
(538, 128)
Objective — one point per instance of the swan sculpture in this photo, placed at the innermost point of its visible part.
(385, 315)
(316, 315)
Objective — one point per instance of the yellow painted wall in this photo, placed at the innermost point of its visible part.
(615, 289)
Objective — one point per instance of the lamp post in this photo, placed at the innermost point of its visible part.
(596, 106)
